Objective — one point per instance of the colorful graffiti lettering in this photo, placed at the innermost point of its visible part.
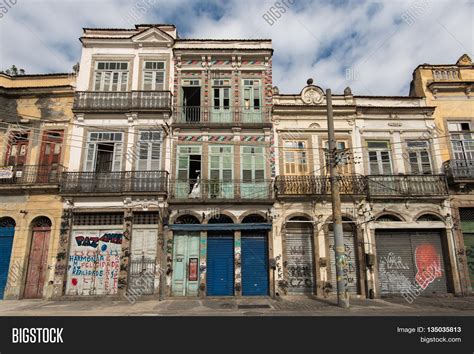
(428, 265)
(94, 263)
(94, 241)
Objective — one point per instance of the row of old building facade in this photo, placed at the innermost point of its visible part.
(173, 167)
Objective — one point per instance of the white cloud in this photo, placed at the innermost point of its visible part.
(311, 39)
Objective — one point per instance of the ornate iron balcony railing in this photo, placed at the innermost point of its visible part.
(121, 101)
(114, 182)
(221, 115)
(30, 174)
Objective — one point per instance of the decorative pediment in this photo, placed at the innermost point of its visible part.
(464, 60)
(312, 95)
(153, 36)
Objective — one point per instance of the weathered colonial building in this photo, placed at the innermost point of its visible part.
(116, 188)
(34, 148)
(189, 175)
(396, 213)
(219, 239)
(449, 88)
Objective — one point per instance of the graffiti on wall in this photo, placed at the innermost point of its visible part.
(428, 265)
(300, 276)
(397, 276)
(237, 264)
(391, 277)
(94, 262)
(469, 245)
(282, 283)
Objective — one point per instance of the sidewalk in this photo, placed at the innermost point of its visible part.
(289, 306)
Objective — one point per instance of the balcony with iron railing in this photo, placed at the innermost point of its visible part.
(200, 115)
(459, 171)
(411, 186)
(30, 176)
(98, 101)
(121, 182)
(196, 191)
(383, 186)
(317, 185)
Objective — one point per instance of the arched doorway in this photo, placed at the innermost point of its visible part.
(299, 255)
(7, 231)
(351, 268)
(220, 259)
(254, 250)
(185, 278)
(38, 258)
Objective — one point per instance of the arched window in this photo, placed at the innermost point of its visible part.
(7, 222)
(253, 218)
(299, 218)
(221, 219)
(41, 222)
(187, 219)
(388, 217)
(429, 217)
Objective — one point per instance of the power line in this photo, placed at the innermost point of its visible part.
(228, 143)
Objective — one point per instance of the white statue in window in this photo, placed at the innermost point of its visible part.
(196, 191)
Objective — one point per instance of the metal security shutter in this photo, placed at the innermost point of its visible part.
(395, 261)
(254, 265)
(410, 259)
(427, 250)
(351, 270)
(469, 246)
(220, 266)
(299, 258)
(6, 243)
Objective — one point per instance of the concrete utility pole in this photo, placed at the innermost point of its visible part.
(342, 295)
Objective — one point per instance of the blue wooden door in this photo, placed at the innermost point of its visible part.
(220, 266)
(6, 243)
(254, 265)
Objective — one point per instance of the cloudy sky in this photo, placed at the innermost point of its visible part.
(371, 46)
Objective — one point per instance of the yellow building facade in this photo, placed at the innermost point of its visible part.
(449, 88)
(34, 144)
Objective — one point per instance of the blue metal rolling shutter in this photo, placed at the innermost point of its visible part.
(220, 266)
(254, 265)
(6, 243)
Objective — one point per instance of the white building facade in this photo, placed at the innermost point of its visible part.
(115, 189)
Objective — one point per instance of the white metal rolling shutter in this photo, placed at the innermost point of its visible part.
(409, 260)
(351, 270)
(299, 258)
